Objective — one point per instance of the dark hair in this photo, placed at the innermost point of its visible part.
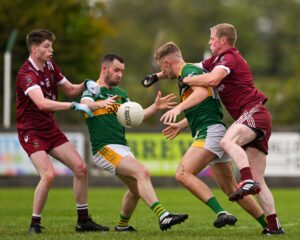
(37, 36)
(110, 57)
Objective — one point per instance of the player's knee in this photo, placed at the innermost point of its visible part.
(81, 170)
(225, 143)
(143, 173)
(134, 194)
(48, 178)
(180, 176)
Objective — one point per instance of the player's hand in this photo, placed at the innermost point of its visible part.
(107, 103)
(170, 116)
(82, 108)
(165, 102)
(149, 80)
(172, 131)
(92, 86)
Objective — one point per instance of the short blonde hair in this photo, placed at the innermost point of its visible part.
(165, 50)
(226, 30)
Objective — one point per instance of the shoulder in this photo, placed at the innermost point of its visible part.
(27, 71)
(230, 53)
(228, 58)
(191, 69)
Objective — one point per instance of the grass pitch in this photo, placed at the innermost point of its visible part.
(59, 216)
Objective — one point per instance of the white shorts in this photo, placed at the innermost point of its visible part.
(210, 139)
(110, 156)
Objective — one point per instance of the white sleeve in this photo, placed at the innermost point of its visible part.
(31, 88)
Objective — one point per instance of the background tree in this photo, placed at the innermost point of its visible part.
(79, 29)
(267, 37)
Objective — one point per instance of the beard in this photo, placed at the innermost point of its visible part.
(109, 82)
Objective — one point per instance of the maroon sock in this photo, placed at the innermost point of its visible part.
(273, 222)
(246, 174)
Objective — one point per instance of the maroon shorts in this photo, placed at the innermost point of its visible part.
(41, 140)
(259, 119)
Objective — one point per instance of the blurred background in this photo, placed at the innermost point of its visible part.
(268, 38)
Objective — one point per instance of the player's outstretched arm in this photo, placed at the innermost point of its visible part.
(210, 79)
(70, 89)
(197, 96)
(160, 103)
(44, 104)
(73, 90)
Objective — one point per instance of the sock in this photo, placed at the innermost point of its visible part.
(214, 205)
(262, 221)
(82, 211)
(246, 174)
(123, 221)
(273, 222)
(159, 210)
(36, 219)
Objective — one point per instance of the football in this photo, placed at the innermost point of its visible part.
(130, 114)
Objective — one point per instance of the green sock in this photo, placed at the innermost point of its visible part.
(214, 205)
(123, 221)
(262, 221)
(158, 209)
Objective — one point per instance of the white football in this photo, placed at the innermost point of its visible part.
(130, 114)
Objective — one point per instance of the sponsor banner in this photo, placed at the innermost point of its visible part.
(162, 156)
(15, 161)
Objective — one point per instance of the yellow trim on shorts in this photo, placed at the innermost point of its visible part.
(110, 155)
(199, 143)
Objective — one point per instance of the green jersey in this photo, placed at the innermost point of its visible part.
(204, 114)
(104, 128)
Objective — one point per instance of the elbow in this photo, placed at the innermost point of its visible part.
(71, 94)
(215, 79)
(42, 106)
(213, 83)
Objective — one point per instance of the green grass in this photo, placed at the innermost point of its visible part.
(59, 216)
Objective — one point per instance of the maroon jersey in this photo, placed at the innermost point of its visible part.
(30, 77)
(236, 90)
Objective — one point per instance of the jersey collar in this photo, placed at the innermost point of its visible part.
(34, 64)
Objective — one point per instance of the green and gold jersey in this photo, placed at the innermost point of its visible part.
(204, 114)
(104, 128)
